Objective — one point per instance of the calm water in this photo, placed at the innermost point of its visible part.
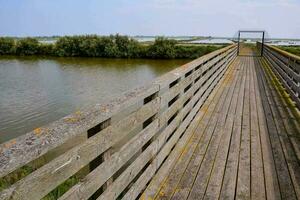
(212, 41)
(284, 42)
(36, 91)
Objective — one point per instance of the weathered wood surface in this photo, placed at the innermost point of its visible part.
(287, 67)
(219, 127)
(133, 134)
(245, 145)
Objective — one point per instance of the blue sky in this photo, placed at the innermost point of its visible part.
(280, 18)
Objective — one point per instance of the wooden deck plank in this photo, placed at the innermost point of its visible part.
(243, 180)
(257, 173)
(203, 110)
(187, 179)
(289, 116)
(270, 174)
(215, 183)
(242, 147)
(170, 183)
(186, 182)
(169, 186)
(285, 184)
(230, 176)
(203, 175)
(290, 156)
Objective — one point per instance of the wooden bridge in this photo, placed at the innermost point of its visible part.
(220, 127)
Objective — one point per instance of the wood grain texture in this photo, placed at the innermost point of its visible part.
(219, 127)
(242, 147)
(145, 126)
(286, 66)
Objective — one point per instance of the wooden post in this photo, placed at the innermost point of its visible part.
(106, 156)
(262, 44)
(101, 158)
(238, 49)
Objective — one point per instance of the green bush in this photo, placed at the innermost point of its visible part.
(46, 49)
(7, 46)
(27, 46)
(162, 48)
(89, 46)
(110, 47)
(67, 46)
(127, 47)
(113, 46)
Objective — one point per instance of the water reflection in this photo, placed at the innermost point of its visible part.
(35, 91)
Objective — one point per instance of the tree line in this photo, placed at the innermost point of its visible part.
(113, 46)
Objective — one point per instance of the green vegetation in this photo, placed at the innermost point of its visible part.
(114, 46)
(293, 50)
(193, 51)
(7, 46)
(62, 188)
(14, 177)
(26, 170)
(27, 46)
(162, 48)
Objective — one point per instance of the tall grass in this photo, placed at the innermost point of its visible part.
(293, 50)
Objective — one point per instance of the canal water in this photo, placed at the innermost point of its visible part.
(36, 91)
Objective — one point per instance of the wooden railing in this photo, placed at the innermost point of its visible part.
(122, 143)
(287, 67)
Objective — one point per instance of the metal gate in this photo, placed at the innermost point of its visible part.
(250, 43)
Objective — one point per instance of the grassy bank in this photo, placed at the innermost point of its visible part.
(293, 50)
(114, 46)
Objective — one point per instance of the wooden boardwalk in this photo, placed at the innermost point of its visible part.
(219, 127)
(246, 144)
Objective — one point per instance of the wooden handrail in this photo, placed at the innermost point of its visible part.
(284, 53)
(127, 132)
(286, 66)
